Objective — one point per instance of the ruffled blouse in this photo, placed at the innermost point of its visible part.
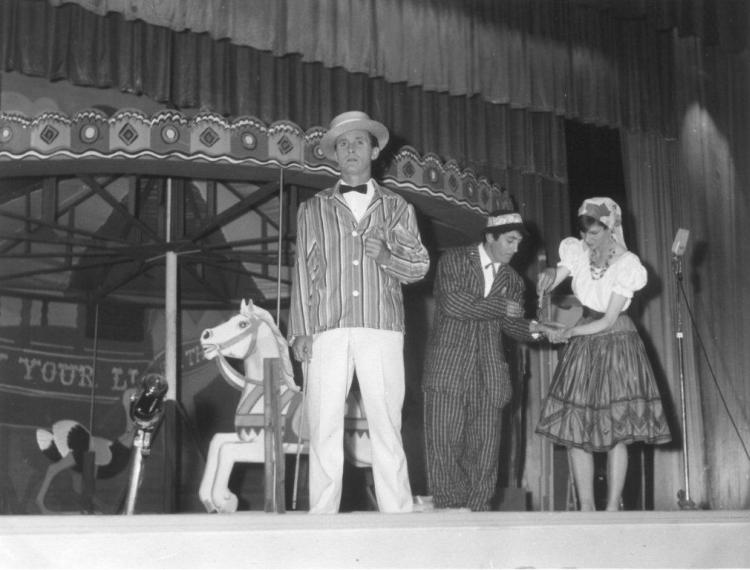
(624, 276)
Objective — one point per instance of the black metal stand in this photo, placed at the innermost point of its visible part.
(683, 495)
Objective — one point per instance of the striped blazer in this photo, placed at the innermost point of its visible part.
(466, 336)
(335, 284)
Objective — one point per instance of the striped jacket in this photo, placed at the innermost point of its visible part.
(466, 336)
(335, 284)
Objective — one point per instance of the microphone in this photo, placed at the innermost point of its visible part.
(680, 242)
(678, 249)
(147, 404)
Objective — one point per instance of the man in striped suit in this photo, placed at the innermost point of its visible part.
(466, 380)
(357, 243)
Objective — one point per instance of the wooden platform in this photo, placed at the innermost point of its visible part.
(696, 539)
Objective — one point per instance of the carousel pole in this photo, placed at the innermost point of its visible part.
(170, 365)
(295, 485)
(279, 245)
(89, 467)
(279, 463)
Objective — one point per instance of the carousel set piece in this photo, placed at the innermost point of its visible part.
(128, 143)
(253, 337)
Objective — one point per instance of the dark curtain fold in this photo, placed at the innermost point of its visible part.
(477, 47)
(717, 179)
(698, 182)
(187, 71)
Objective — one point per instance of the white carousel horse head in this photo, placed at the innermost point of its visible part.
(251, 335)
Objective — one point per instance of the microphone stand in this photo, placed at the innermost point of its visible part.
(146, 411)
(683, 495)
(142, 445)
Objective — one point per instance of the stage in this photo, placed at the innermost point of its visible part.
(252, 539)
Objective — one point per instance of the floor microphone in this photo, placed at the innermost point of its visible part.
(680, 242)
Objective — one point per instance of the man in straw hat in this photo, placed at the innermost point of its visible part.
(357, 243)
(466, 379)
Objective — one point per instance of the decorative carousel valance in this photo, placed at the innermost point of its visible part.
(171, 142)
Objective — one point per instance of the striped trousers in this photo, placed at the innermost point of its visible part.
(462, 444)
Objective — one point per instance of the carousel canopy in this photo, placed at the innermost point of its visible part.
(91, 204)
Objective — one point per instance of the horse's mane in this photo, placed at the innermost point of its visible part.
(251, 310)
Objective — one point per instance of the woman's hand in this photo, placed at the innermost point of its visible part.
(558, 335)
(545, 280)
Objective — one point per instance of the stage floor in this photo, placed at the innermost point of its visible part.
(630, 539)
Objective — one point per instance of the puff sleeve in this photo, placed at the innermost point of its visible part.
(572, 254)
(630, 277)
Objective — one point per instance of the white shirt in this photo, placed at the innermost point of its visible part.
(489, 268)
(358, 202)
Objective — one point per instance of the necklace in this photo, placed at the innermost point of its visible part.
(598, 271)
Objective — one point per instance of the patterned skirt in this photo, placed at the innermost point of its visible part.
(603, 392)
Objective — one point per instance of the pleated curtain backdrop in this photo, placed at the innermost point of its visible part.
(698, 181)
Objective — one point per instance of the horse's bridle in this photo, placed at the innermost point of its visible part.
(253, 328)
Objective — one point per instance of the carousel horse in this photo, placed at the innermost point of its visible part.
(252, 336)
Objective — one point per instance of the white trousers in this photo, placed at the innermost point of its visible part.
(378, 358)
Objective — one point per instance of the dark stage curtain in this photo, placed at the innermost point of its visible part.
(561, 55)
(699, 182)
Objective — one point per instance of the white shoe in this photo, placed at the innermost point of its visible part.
(423, 504)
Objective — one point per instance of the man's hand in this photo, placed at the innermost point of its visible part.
(376, 248)
(302, 348)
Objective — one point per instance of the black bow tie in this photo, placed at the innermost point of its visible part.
(344, 188)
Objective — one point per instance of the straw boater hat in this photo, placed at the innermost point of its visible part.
(505, 221)
(350, 121)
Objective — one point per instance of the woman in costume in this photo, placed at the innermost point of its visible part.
(603, 394)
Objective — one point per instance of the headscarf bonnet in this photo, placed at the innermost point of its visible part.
(606, 211)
